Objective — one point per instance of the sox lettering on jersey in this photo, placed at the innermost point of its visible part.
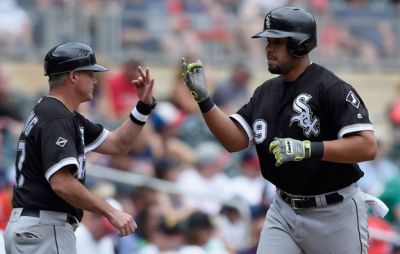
(305, 117)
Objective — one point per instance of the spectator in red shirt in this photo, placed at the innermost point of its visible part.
(119, 89)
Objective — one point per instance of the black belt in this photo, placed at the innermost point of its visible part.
(36, 213)
(309, 202)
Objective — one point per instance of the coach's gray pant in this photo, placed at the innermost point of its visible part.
(337, 228)
(50, 233)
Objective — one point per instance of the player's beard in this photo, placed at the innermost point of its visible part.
(275, 69)
(279, 68)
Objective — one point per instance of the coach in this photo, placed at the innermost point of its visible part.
(49, 194)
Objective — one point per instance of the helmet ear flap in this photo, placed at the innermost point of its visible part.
(299, 48)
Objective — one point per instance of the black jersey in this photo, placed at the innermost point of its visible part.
(317, 106)
(52, 138)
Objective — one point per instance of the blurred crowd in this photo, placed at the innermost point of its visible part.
(350, 31)
(222, 198)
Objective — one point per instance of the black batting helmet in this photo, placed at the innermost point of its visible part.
(293, 23)
(71, 56)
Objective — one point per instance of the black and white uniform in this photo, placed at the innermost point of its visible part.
(318, 106)
(53, 137)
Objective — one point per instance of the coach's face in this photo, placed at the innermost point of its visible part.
(279, 59)
(86, 86)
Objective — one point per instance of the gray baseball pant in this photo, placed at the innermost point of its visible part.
(339, 228)
(50, 233)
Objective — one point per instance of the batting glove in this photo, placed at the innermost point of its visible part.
(288, 149)
(193, 74)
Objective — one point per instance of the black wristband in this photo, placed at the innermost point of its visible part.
(135, 120)
(144, 108)
(317, 150)
(206, 105)
(142, 111)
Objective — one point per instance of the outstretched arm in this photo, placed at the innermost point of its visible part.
(121, 140)
(229, 133)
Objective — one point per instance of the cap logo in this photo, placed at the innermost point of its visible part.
(268, 22)
(82, 53)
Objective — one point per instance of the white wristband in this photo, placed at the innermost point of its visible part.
(139, 116)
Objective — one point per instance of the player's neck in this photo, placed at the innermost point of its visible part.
(65, 99)
(297, 70)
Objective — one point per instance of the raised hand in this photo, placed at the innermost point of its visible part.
(193, 74)
(144, 86)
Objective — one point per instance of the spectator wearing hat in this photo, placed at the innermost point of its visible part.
(146, 237)
(249, 185)
(166, 122)
(174, 206)
(199, 235)
(233, 91)
(206, 185)
(234, 224)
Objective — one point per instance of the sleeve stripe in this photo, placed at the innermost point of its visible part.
(244, 124)
(98, 141)
(354, 128)
(64, 162)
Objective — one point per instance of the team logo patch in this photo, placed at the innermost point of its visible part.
(61, 141)
(305, 118)
(352, 98)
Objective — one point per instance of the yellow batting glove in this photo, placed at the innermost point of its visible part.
(193, 75)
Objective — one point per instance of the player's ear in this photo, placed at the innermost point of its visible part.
(73, 77)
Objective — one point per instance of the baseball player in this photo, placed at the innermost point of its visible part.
(310, 129)
(49, 194)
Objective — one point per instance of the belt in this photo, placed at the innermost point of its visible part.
(297, 202)
(36, 213)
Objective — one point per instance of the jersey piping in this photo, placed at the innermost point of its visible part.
(354, 128)
(245, 126)
(53, 169)
(98, 141)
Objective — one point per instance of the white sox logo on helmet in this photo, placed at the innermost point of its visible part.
(268, 22)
